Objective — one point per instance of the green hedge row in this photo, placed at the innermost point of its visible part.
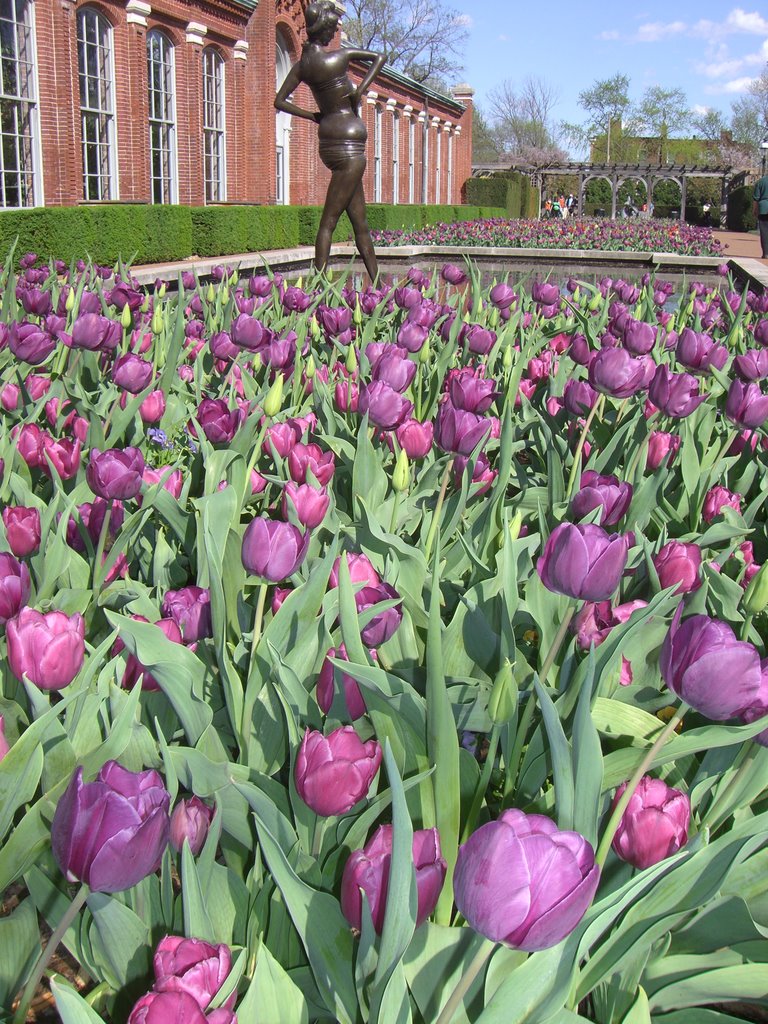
(740, 215)
(511, 191)
(157, 234)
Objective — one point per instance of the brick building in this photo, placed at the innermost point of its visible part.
(170, 101)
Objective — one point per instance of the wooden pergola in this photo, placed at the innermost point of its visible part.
(616, 174)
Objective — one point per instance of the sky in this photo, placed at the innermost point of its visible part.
(710, 49)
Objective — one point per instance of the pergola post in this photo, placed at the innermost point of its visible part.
(614, 191)
(683, 191)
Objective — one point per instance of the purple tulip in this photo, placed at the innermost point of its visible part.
(758, 706)
(296, 300)
(472, 393)
(752, 365)
(221, 346)
(595, 620)
(218, 421)
(112, 832)
(679, 563)
(675, 394)
(415, 438)
(386, 408)
(654, 824)
(453, 274)
(190, 609)
(115, 474)
(273, 550)
(92, 331)
(661, 446)
(459, 431)
(48, 649)
(707, 667)
(14, 585)
(578, 397)
(123, 295)
(639, 337)
(502, 296)
(335, 772)
(310, 457)
(368, 869)
(35, 301)
(335, 321)
(30, 343)
(63, 453)
(477, 338)
(394, 368)
(612, 494)
(614, 372)
(521, 881)
(716, 499)
(412, 336)
(698, 353)
(583, 562)
(176, 1007)
(309, 504)
(132, 373)
(190, 820)
(194, 967)
(579, 350)
(746, 405)
(325, 686)
(384, 624)
(545, 294)
(360, 567)
(247, 332)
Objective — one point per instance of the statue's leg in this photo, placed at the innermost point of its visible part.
(344, 181)
(356, 211)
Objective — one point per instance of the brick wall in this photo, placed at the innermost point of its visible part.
(246, 41)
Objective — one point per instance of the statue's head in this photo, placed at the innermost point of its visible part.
(322, 20)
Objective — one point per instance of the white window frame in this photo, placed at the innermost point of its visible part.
(163, 167)
(377, 125)
(97, 105)
(20, 160)
(411, 160)
(214, 127)
(450, 167)
(424, 159)
(395, 157)
(282, 127)
(438, 163)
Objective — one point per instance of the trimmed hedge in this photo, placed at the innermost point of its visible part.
(740, 214)
(156, 234)
(509, 190)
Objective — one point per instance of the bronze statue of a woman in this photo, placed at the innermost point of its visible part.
(342, 132)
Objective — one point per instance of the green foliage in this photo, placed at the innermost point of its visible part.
(510, 190)
(309, 222)
(740, 215)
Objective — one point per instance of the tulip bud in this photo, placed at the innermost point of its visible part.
(508, 358)
(424, 351)
(329, 274)
(503, 702)
(515, 525)
(351, 361)
(401, 475)
(190, 820)
(274, 399)
(300, 281)
(357, 316)
(157, 321)
(161, 291)
(756, 595)
(126, 318)
(310, 368)
(224, 294)
(69, 305)
(314, 329)
(595, 303)
(210, 293)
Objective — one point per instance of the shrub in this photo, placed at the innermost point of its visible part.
(740, 215)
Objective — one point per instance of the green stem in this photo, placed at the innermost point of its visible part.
(433, 526)
(258, 618)
(618, 812)
(712, 474)
(395, 510)
(746, 626)
(45, 957)
(640, 449)
(99, 556)
(317, 836)
(554, 649)
(465, 982)
(417, 391)
(597, 407)
(482, 784)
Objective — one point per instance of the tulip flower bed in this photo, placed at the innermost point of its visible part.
(382, 655)
(632, 235)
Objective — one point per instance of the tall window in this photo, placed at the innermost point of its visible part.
(411, 160)
(438, 163)
(162, 117)
(425, 161)
(282, 125)
(97, 104)
(450, 169)
(395, 158)
(377, 154)
(18, 105)
(213, 126)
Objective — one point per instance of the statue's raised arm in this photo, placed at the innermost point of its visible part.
(342, 133)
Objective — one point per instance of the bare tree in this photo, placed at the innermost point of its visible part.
(710, 125)
(608, 108)
(522, 120)
(661, 112)
(425, 39)
(749, 120)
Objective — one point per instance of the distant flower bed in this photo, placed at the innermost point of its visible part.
(611, 235)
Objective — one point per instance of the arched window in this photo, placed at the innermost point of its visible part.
(282, 125)
(19, 184)
(214, 150)
(97, 104)
(377, 153)
(162, 117)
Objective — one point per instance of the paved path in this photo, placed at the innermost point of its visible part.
(740, 243)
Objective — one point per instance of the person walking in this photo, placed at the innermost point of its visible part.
(760, 196)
